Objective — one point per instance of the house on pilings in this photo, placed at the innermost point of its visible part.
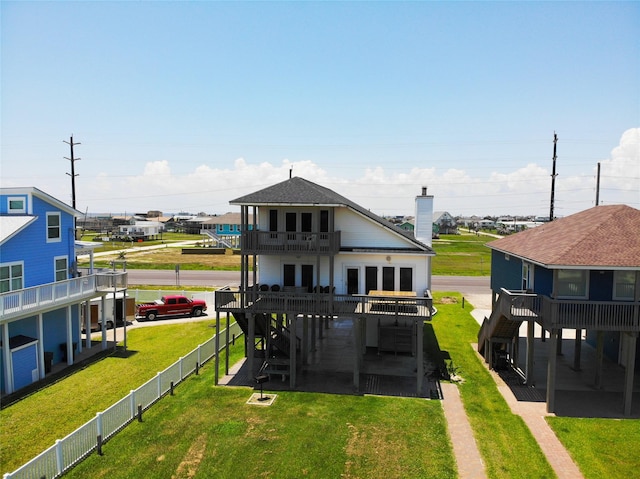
(579, 273)
(321, 262)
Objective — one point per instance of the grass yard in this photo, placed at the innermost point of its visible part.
(34, 423)
(456, 255)
(462, 255)
(207, 431)
(507, 446)
(602, 447)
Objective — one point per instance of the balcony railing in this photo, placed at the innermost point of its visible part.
(284, 242)
(323, 304)
(14, 304)
(572, 314)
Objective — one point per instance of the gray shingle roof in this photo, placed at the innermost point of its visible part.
(297, 191)
(601, 237)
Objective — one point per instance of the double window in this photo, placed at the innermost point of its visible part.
(624, 285)
(572, 283)
(11, 277)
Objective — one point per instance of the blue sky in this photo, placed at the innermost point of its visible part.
(187, 105)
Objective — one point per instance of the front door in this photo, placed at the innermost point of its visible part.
(352, 281)
(307, 277)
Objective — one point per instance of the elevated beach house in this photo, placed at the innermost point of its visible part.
(41, 302)
(582, 273)
(312, 259)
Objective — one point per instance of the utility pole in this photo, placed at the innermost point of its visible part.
(598, 186)
(73, 171)
(553, 176)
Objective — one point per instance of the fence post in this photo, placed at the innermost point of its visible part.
(139, 412)
(159, 376)
(199, 355)
(59, 458)
(99, 445)
(132, 399)
(180, 368)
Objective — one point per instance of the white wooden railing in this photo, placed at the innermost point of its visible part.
(90, 437)
(30, 300)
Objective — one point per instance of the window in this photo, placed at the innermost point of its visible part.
(61, 268)
(53, 227)
(370, 278)
(572, 283)
(388, 278)
(406, 279)
(324, 221)
(305, 222)
(624, 285)
(16, 204)
(289, 275)
(291, 223)
(273, 220)
(11, 277)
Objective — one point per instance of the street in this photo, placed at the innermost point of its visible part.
(464, 284)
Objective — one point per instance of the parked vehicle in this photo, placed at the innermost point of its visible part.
(171, 305)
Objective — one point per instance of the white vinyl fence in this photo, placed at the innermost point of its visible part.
(72, 449)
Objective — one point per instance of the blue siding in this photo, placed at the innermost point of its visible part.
(24, 361)
(543, 281)
(31, 247)
(505, 273)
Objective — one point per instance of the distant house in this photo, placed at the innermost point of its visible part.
(579, 272)
(444, 223)
(225, 229)
(41, 302)
(318, 255)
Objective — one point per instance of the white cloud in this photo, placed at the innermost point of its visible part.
(522, 190)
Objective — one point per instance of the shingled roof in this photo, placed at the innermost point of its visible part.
(600, 237)
(297, 191)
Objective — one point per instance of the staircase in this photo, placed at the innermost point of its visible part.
(216, 238)
(501, 325)
(273, 345)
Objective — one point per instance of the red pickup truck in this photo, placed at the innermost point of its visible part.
(173, 305)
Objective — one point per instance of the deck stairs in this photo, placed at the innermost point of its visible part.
(216, 238)
(500, 326)
(273, 342)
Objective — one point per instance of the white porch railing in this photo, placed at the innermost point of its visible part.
(30, 300)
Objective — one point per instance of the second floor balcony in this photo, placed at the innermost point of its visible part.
(288, 242)
(30, 301)
(568, 313)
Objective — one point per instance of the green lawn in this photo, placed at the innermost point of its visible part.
(206, 431)
(464, 254)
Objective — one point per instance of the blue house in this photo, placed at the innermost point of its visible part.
(581, 272)
(41, 303)
(224, 229)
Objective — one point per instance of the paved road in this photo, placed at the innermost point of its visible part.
(462, 284)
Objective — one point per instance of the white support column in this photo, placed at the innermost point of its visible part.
(103, 322)
(87, 323)
(40, 346)
(69, 336)
(79, 323)
(551, 371)
(629, 372)
(6, 360)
